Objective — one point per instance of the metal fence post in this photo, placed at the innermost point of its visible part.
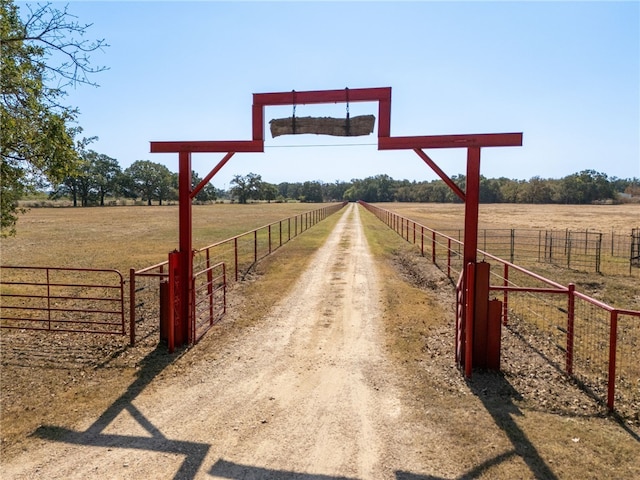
(255, 246)
(449, 257)
(132, 307)
(570, 327)
(512, 245)
(433, 247)
(613, 345)
(235, 253)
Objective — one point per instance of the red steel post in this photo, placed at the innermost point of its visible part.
(469, 287)
(472, 196)
(613, 345)
(235, 254)
(449, 257)
(570, 327)
(132, 307)
(505, 298)
(255, 246)
(173, 267)
(210, 287)
(186, 255)
(433, 247)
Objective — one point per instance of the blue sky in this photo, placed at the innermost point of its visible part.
(566, 74)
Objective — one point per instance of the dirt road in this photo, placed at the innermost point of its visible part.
(307, 395)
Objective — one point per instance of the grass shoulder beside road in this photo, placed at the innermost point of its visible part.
(494, 429)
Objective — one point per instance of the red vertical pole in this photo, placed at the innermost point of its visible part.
(186, 263)
(235, 254)
(172, 296)
(449, 257)
(472, 199)
(255, 246)
(613, 345)
(422, 240)
(570, 328)
(132, 307)
(470, 248)
(433, 247)
(468, 318)
(505, 298)
(210, 287)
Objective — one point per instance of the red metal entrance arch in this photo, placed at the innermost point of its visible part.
(473, 143)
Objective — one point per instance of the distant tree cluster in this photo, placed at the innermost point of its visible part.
(100, 176)
(584, 187)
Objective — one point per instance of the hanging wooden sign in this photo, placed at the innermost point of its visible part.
(337, 127)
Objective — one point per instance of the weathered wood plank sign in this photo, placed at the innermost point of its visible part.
(338, 127)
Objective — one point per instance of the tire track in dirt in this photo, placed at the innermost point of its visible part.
(309, 394)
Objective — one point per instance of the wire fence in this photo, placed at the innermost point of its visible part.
(595, 343)
(584, 250)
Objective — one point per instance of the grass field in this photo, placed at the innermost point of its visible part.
(619, 290)
(499, 427)
(128, 237)
(602, 218)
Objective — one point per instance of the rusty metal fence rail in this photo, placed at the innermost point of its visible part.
(238, 254)
(595, 343)
(60, 299)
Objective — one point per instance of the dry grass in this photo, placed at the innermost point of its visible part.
(491, 425)
(620, 290)
(128, 237)
(603, 218)
(499, 426)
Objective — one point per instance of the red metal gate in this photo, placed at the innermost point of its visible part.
(210, 299)
(62, 299)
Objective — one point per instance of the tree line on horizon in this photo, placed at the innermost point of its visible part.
(100, 177)
(44, 51)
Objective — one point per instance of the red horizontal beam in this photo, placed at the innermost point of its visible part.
(323, 96)
(451, 141)
(212, 146)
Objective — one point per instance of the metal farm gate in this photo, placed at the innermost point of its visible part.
(84, 300)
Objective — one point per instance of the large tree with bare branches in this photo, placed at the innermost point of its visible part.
(43, 52)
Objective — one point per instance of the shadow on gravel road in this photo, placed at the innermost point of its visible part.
(151, 366)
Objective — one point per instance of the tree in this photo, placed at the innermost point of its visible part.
(247, 187)
(106, 172)
(311, 192)
(37, 134)
(150, 180)
(268, 191)
(208, 192)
